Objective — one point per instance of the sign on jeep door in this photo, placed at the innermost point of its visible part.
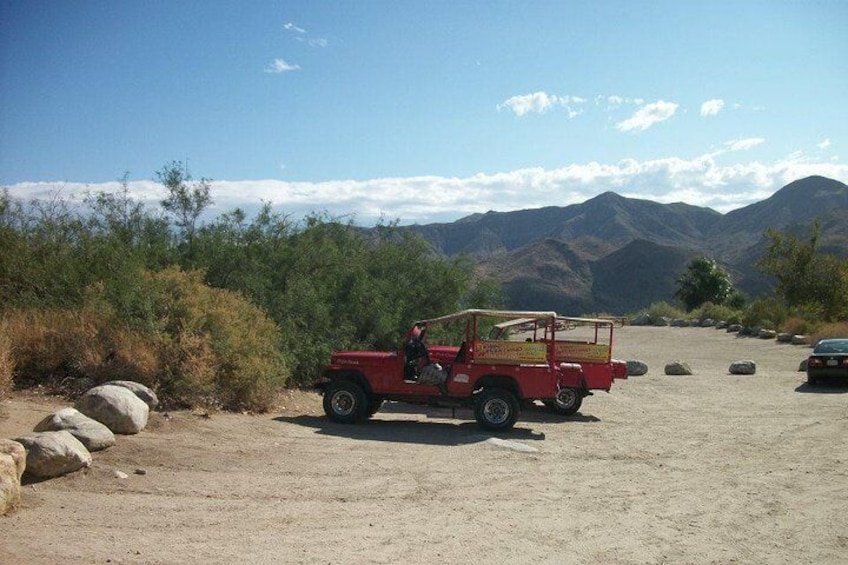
(510, 353)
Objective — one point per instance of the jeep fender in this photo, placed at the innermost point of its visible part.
(357, 377)
(572, 376)
(498, 381)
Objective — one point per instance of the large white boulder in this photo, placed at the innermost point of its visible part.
(93, 435)
(12, 465)
(52, 454)
(116, 407)
(148, 396)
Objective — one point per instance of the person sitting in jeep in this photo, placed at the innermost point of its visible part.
(414, 353)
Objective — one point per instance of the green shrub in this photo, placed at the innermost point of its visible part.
(716, 312)
(664, 309)
(766, 312)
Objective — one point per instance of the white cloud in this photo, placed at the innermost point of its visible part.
(648, 115)
(280, 66)
(614, 101)
(712, 107)
(744, 144)
(293, 28)
(538, 102)
(824, 144)
(541, 102)
(701, 181)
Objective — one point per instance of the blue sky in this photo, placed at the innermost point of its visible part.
(424, 111)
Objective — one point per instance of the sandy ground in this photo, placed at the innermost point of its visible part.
(710, 468)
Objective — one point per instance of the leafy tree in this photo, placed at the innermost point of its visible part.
(186, 200)
(806, 279)
(703, 281)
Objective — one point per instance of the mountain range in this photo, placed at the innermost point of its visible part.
(615, 254)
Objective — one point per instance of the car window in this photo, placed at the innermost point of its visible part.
(840, 346)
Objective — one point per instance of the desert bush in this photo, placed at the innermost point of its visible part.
(766, 312)
(800, 325)
(664, 309)
(6, 361)
(716, 312)
(202, 346)
(216, 348)
(829, 331)
(65, 349)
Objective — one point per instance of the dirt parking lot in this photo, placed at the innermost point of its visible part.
(709, 468)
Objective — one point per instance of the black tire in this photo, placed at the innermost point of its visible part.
(374, 406)
(345, 402)
(812, 381)
(496, 409)
(566, 403)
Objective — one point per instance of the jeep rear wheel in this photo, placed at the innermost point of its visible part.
(345, 402)
(566, 403)
(496, 409)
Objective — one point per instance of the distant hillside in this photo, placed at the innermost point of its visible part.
(618, 254)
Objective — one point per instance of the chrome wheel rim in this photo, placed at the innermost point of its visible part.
(343, 403)
(496, 411)
(566, 398)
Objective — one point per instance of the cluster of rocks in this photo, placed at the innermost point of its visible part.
(645, 319)
(62, 442)
(743, 367)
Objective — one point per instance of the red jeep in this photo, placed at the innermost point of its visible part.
(586, 342)
(492, 376)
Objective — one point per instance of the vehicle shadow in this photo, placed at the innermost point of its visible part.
(824, 387)
(406, 431)
(529, 413)
(538, 413)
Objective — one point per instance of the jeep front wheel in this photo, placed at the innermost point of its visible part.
(496, 409)
(566, 403)
(345, 402)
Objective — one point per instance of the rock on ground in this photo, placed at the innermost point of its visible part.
(116, 407)
(93, 435)
(678, 368)
(743, 368)
(144, 393)
(52, 454)
(636, 368)
(12, 465)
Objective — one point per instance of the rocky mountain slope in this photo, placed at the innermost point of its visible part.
(617, 254)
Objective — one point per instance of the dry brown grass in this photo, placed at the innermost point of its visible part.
(69, 348)
(837, 329)
(6, 362)
(206, 347)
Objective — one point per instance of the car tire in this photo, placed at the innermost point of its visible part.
(812, 381)
(345, 402)
(566, 403)
(496, 409)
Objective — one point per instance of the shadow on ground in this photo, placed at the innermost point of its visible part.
(462, 431)
(824, 387)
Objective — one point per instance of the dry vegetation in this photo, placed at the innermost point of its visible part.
(6, 365)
